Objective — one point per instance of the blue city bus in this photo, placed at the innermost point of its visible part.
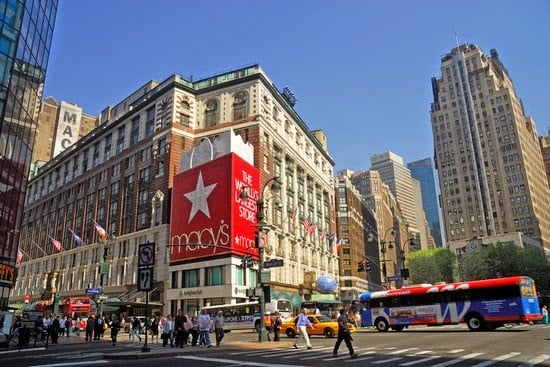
(481, 304)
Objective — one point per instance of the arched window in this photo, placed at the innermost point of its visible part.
(239, 106)
(211, 113)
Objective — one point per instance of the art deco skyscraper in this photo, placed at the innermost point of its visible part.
(487, 152)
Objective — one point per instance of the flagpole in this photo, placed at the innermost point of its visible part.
(40, 248)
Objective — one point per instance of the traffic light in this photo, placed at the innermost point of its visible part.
(362, 265)
(368, 266)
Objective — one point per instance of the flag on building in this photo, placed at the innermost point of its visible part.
(306, 223)
(293, 215)
(56, 244)
(19, 256)
(338, 244)
(100, 231)
(331, 238)
(312, 228)
(76, 237)
(323, 234)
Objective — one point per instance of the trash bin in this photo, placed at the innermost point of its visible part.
(24, 337)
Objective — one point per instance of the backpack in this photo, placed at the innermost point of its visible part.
(188, 325)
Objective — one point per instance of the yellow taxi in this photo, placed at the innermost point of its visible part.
(322, 325)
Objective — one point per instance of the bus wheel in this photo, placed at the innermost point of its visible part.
(398, 327)
(381, 324)
(257, 327)
(475, 322)
(329, 333)
(290, 333)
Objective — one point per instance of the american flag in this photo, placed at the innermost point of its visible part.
(306, 222)
(56, 244)
(312, 228)
(293, 215)
(331, 238)
(323, 234)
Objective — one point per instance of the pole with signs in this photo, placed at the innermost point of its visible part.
(146, 262)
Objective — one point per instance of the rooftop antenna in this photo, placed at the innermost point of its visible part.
(456, 38)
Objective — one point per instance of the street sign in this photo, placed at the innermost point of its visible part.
(273, 263)
(146, 255)
(145, 279)
(394, 278)
(94, 290)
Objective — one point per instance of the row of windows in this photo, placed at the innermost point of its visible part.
(214, 275)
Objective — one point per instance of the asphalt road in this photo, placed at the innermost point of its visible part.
(523, 346)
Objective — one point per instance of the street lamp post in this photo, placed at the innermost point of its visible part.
(383, 249)
(262, 228)
(104, 269)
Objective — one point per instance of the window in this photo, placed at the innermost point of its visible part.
(190, 278)
(184, 120)
(239, 106)
(211, 113)
(134, 134)
(215, 275)
(150, 122)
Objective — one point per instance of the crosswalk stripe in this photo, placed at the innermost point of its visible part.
(387, 360)
(457, 360)
(534, 361)
(411, 363)
(496, 359)
(402, 351)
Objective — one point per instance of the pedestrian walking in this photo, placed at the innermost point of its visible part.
(218, 328)
(154, 330)
(545, 314)
(194, 331)
(90, 326)
(204, 329)
(302, 324)
(344, 334)
(135, 329)
(115, 328)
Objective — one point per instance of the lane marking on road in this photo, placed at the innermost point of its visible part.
(454, 351)
(102, 361)
(237, 363)
(457, 360)
(496, 359)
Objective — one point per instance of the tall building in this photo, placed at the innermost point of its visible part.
(353, 228)
(423, 171)
(398, 178)
(60, 125)
(487, 152)
(121, 177)
(26, 29)
(387, 234)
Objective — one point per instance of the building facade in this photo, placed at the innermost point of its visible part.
(120, 176)
(491, 173)
(60, 125)
(423, 171)
(26, 29)
(352, 229)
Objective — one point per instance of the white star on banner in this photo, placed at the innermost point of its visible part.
(198, 198)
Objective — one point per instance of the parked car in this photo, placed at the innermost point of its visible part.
(322, 325)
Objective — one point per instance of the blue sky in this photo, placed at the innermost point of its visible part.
(361, 69)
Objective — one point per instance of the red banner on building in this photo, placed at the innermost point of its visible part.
(208, 217)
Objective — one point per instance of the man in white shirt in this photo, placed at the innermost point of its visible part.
(168, 332)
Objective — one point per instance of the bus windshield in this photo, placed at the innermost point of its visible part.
(481, 304)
